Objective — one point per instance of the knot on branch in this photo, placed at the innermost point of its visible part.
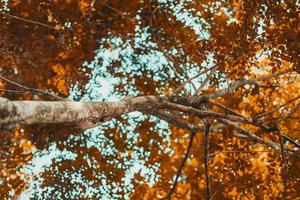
(7, 111)
(5, 108)
(199, 101)
(194, 102)
(274, 128)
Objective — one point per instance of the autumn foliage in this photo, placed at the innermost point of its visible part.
(162, 48)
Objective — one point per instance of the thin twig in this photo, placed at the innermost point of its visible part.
(245, 133)
(275, 109)
(186, 156)
(215, 193)
(172, 119)
(236, 151)
(27, 20)
(236, 84)
(228, 110)
(213, 68)
(216, 115)
(288, 116)
(291, 140)
(198, 91)
(284, 163)
(112, 8)
(175, 65)
(12, 91)
(31, 89)
(206, 160)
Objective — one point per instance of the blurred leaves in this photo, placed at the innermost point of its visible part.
(52, 56)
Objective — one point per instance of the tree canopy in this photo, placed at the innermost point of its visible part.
(149, 99)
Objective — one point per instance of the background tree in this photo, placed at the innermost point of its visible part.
(216, 84)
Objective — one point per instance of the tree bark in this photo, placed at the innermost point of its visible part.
(85, 114)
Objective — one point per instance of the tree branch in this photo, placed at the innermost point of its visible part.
(236, 84)
(247, 134)
(284, 163)
(85, 114)
(186, 156)
(206, 160)
(275, 109)
(27, 20)
(33, 90)
(183, 124)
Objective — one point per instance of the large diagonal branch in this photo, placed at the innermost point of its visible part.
(85, 114)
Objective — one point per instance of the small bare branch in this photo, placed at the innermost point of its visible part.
(33, 90)
(186, 156)
(206, 161)
(291, 140)
(27, 20)
(275, 109)
(184, 124)
(284, 162)
(234, 85)
(225, 108)
(212, 69)
(245, 133)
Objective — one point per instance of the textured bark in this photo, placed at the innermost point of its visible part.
(86, 114)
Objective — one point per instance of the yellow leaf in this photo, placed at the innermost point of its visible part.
(84, 6)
